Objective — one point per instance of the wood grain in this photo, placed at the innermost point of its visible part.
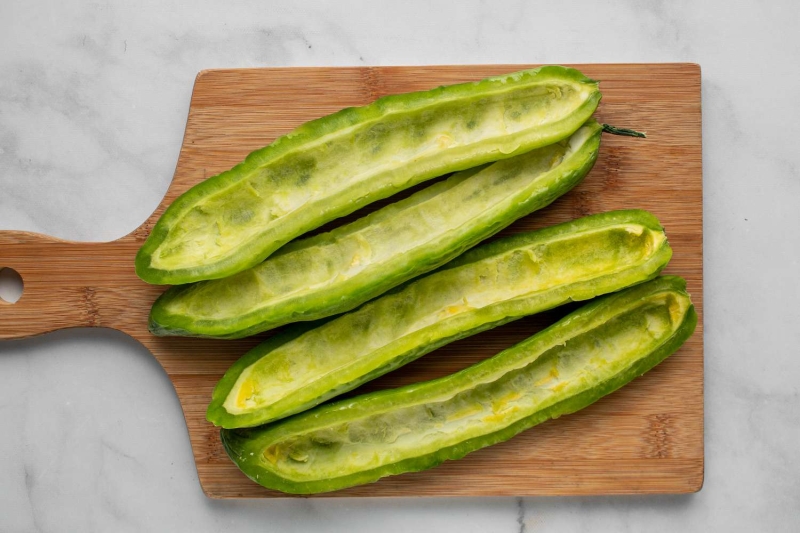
(645, 438)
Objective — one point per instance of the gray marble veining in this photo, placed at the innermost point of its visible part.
(93, 100)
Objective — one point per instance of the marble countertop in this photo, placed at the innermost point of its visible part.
(93, 102)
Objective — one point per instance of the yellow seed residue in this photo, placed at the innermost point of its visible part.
(677, 308)
(271, 454)
(500, 408)
(451, 310)
(464, 413)
(501, 402)
(455, 309)
(246, 393)
(500, 416)
(548, 378)
(443, 141)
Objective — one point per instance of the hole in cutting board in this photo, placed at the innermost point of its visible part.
(10, 285)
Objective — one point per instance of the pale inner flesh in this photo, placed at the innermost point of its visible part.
(436, 214)
(353, 344)
(534, 378)
(384, 153)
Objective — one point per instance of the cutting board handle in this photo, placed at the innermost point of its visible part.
(72, 284)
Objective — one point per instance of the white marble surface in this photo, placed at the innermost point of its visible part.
(93, 99)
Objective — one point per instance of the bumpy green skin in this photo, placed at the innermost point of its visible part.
(324, 449)
(335, 165)
(336, 271)
(488, 286)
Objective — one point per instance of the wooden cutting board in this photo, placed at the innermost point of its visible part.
(645, 438)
